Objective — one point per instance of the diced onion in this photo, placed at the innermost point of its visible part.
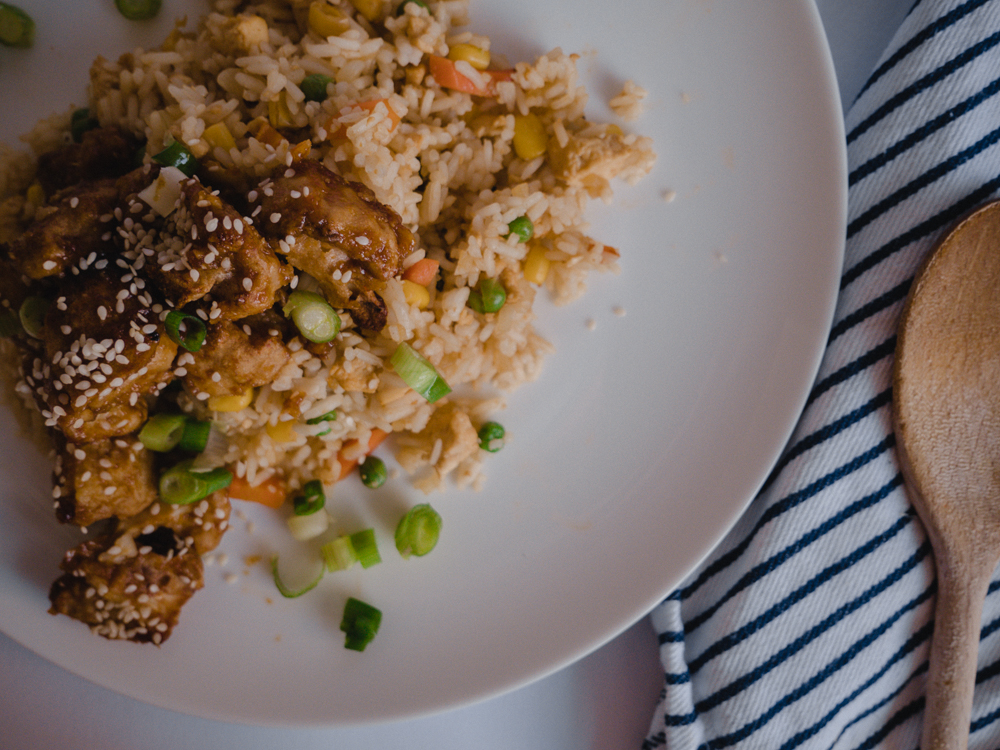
(163, 194)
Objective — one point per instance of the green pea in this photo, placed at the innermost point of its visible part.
(314, 87)
(373, 472)
(523, 227)
(491, 436)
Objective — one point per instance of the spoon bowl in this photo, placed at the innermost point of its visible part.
(946, 412)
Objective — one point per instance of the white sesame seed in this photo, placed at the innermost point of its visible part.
(74, 202)
(102, 312)
(49, 265)
(275, 218)
(247, 284)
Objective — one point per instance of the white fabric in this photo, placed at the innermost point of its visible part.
(809, 626)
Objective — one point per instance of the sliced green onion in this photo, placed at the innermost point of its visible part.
(80, 122)
(339, 554)
(162, 432)
(328, 417)
(32, 315)
(195, 435)
(292, 593)
(373, 472)
(194, 329)
(10, 323)
(418, 373)
(304, 528)
(491, 436)
(402, 6)
(311, 500)
(418, 531)
(17, 29)
(366, 548)
(360, 623)
(178, 155)
(139, 10)
(523, 227)
(314, 87)
(181, 485)
(313, 316)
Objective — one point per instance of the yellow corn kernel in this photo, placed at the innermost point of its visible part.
(218, 136)
(283, 432)
(477, 57)
(370, 9)
(35, 195)
(530, 140)
(416, 295)
(536, 265)
(612, 129)
(278, 112)
(326, 20)
(231, 403)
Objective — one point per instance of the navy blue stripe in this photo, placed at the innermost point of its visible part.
(984, 721)
(785, 504)
(673, 720)
(938, 221)
(939, 25)
(988, 672)
(885, 300)
(925, 633)
(831, 430)
(924, 131)
(677, 678)
(671, 636)
(851, 369)
(924, 83)
(772, 563)
(917, 184)
(989, 629)
(836, 665)
(994, 586)
(901, 716)
(742, 683)
(734, 638)
(654, 741)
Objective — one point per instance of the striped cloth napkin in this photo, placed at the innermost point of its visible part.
(809, 626)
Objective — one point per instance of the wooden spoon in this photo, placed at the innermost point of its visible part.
(946, 394)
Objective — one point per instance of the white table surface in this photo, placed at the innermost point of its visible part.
(605, 701)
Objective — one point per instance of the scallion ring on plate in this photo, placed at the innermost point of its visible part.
(182, 485)
(313, 316)
(178, 155)
(360, 623)
(32, 315)
(311, 500)
(292, 593)
(194, 437)
(139, 10)
(17, 29)
(162, 432)
(418, 531)
(418, 373)
(193, 335)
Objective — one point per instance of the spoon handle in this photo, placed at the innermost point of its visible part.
(954, 648)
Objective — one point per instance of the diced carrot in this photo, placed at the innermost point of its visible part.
(347, 466)
(265, 133)
(271, 492)
(338, 129)
(447, 76)
(301, 150)
(422, 272)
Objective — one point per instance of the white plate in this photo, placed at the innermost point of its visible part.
(632, 455)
